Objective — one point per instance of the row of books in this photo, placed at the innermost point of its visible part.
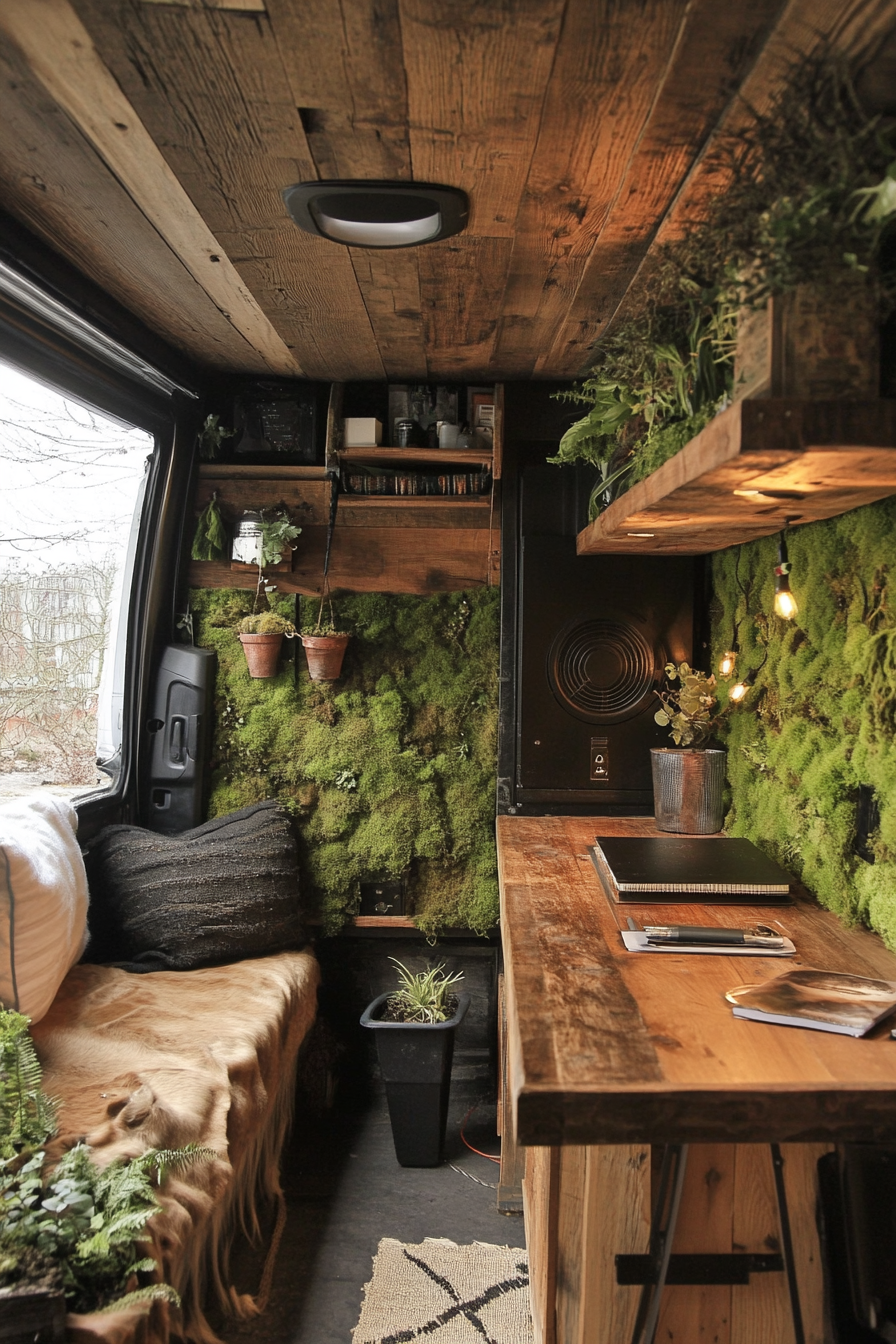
(416, 483)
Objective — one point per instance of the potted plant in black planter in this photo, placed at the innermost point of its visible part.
(415, 1027)
(689, 778)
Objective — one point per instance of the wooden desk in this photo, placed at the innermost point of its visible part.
(610, 1052)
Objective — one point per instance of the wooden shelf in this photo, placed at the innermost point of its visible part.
(753, 467)
(399, 457)
(236, 471)
(383, 922)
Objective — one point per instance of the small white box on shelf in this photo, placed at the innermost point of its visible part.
(362, 432)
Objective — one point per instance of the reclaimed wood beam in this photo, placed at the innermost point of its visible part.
(60, 52)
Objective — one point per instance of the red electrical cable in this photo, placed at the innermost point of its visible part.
(491, 1157)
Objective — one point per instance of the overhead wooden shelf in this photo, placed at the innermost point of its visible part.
(756, 465)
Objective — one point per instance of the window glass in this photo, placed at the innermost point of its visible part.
(71, 489)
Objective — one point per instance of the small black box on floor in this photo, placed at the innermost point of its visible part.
(382, 898)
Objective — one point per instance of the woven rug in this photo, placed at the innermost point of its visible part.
(446, 1293)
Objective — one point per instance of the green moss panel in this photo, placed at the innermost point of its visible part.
(389, 771)
(820, 721)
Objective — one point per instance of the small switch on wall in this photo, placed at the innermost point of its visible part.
(600, 760)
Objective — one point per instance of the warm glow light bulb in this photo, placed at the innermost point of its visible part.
(785, 602)
(738, 692)
(726, 663)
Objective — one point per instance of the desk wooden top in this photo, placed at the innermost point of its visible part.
(608, 1046)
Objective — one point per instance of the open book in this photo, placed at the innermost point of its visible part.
(823, 1000)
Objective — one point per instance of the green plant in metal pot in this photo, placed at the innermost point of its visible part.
(689, 710)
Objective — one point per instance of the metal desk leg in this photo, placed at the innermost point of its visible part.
(787, 1244)
(675, 1160)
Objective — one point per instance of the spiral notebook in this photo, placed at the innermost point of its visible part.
(708, 870)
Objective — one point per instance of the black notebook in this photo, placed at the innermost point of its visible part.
(686, 868)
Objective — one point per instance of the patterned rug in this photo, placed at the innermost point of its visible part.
(446, 1293)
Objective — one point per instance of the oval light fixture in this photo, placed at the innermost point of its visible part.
(377, 214)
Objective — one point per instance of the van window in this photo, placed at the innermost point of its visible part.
(71, 491)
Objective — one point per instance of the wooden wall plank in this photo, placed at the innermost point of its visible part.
(54, 182)
(717, 47)
(609, 65)
(212, 89)
(58, 49)
(373, 560)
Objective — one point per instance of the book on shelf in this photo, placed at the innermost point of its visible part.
(688, 869)
(822, 1000)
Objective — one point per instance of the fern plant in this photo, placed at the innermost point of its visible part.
(90, 1221)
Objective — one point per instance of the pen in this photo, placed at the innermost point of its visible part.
(691, 933)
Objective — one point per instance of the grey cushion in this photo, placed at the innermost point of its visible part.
(225, 891)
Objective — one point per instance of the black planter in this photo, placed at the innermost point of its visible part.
(415, 1061)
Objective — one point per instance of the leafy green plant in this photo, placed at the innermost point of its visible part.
(211, 438)
(89, 1221)
(810, 190)
(277, 532)
(687, 710)
(422, 996)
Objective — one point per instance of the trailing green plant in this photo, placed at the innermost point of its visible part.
(88, 1221)
(690, 710)
(422, 996)
(211, 437)
(210, 540)
(810, 188)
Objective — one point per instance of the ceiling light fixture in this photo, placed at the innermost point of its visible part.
(377, 214)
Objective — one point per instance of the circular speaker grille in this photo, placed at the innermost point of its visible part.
(602, 670)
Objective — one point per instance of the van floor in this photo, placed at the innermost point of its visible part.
(344, 1192)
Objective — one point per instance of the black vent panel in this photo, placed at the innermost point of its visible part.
(602, 671)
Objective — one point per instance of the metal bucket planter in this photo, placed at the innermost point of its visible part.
(688, 785)
(262, 653)
(415, 1061)
(325, 654)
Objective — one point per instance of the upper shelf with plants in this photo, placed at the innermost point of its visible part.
(741, 387)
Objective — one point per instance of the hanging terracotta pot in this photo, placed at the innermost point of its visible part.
(262, 653)
(325, 654)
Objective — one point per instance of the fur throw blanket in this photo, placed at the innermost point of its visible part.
(170, 1058)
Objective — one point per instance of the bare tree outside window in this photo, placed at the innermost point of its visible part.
(69, 482)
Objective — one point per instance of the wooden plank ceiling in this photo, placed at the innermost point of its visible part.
(149, 140)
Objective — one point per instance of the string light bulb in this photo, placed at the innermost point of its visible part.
(785, 602)
(727, 662)
(739, 689)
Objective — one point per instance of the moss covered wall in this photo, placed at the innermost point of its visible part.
(820, 723)
(389, 771)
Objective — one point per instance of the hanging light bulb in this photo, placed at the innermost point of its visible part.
(785, 602)
(727, 662)
(739, 690)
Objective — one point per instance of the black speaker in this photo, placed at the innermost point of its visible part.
(595, 633)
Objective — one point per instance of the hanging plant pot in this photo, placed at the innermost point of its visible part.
(415, 1061)
(688, 784)
(262, 653)
(325, 654)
